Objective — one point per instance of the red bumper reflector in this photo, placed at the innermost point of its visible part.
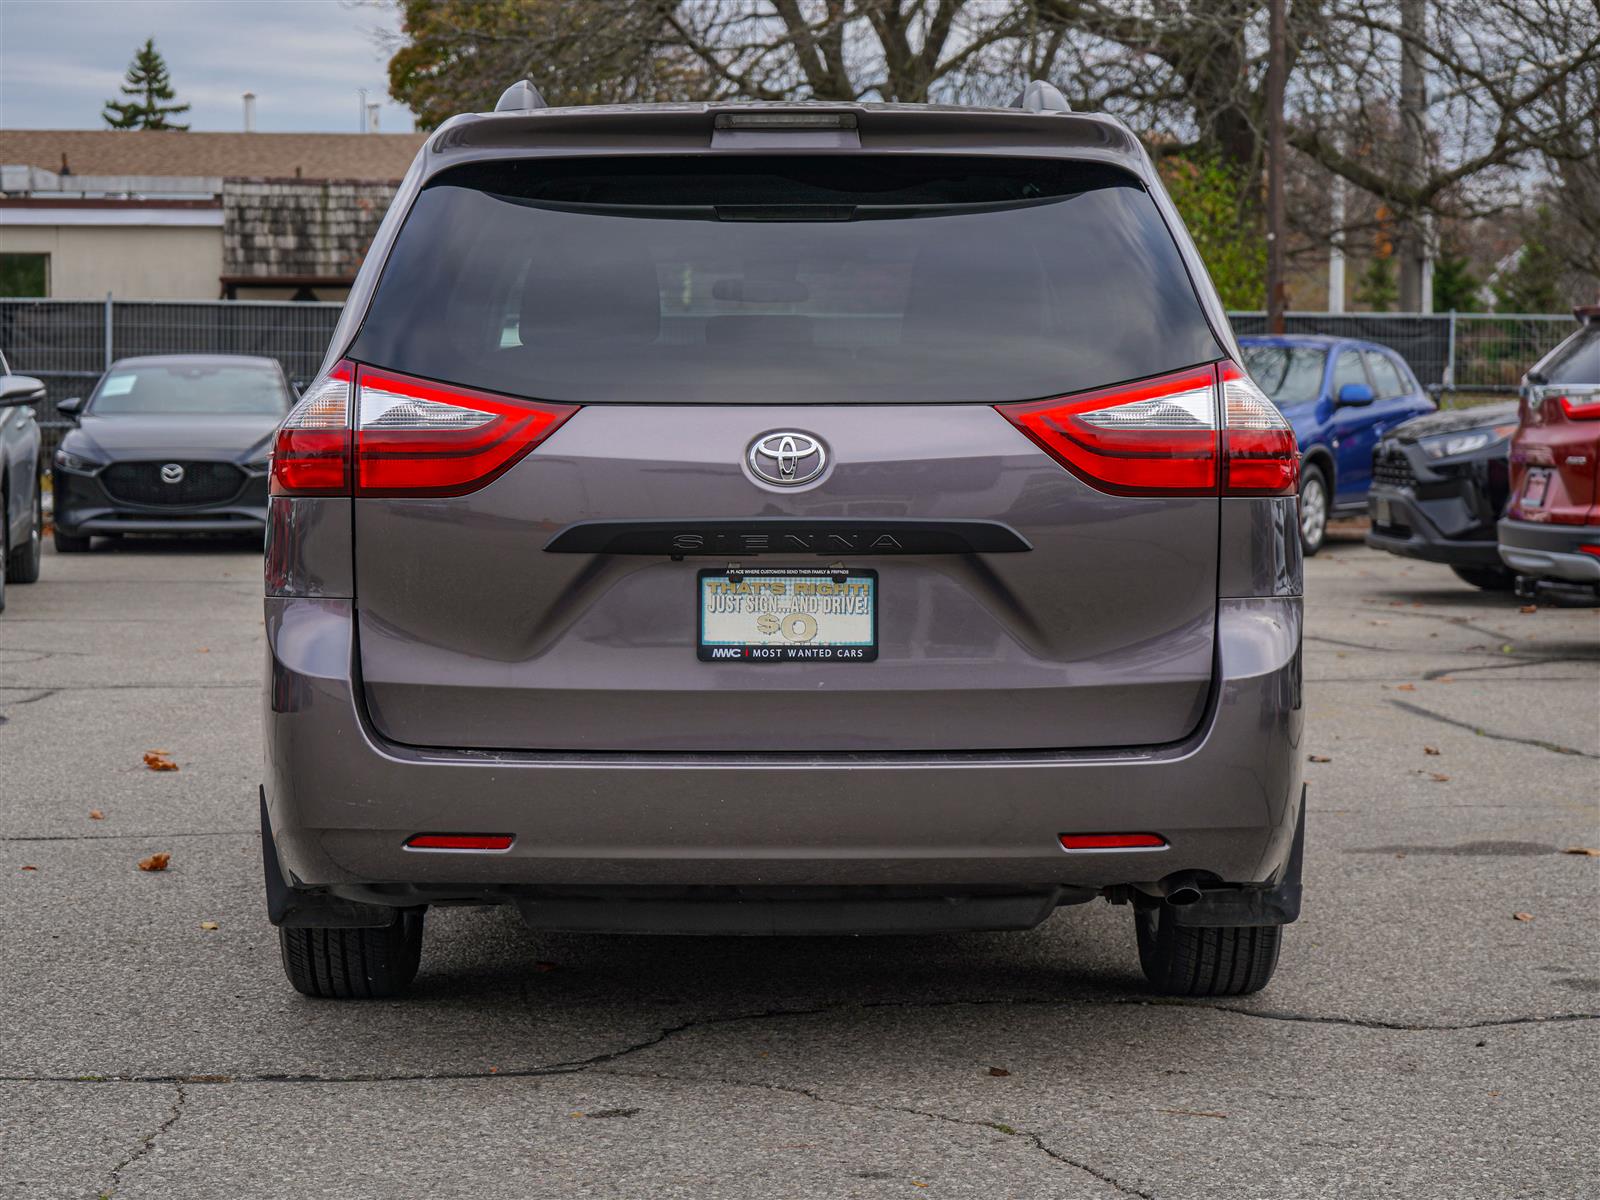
(1112, 841)
(460, 841)
(1587, 549)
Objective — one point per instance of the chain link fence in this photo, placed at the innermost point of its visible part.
(1448, 352)
(69, 343)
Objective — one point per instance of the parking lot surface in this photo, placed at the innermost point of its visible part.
(1421, 1038)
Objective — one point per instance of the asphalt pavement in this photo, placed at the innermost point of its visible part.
(1421, 1038)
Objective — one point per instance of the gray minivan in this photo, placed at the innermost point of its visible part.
(783, 518)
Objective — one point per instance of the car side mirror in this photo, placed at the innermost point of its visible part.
(1355, 395)
(20, 389)
(70, 406)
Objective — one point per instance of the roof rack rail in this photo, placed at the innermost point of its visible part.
(1039, 96)
(520, 97)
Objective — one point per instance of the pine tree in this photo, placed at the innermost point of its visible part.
(1533, 284)
(148, 81)
(1455, 287)
(1376, 286)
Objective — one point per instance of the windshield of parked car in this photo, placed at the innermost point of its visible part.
(1287, 374)
(193, 389)
(792, 280)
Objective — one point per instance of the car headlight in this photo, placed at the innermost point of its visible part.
(76, 462)
(1448, 445)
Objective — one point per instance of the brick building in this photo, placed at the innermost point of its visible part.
(192, 216)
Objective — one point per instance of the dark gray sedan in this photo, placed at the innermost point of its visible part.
(170, 445)
(21, 514)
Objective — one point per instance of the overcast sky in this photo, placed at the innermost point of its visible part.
(61, 60)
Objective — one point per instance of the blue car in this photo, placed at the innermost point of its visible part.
(1340, 395)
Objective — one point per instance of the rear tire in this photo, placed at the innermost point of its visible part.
(68, 543)
(1185, 960)
(1490, 579)
(22, 564)
(1316, 502)
(354, 964)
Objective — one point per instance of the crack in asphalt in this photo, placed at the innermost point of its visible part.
(1540, 743)
(1441, 672)
(667, 1033)
(147, 1142)
(119, 837)
(818, 1098)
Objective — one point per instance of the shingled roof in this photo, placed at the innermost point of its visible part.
(378, 157)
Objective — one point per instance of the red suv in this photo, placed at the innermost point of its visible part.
(1551, 531)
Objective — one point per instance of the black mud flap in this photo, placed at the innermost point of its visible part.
(1274, 904)
(304, 908)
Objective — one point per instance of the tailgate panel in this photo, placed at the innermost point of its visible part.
(473, 635)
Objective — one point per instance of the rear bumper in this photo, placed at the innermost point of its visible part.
(342, 801)
(1550, 551)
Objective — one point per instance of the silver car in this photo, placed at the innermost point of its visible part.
(21, 503)
(814, 518)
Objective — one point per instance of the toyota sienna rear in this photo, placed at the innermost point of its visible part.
(782, 519)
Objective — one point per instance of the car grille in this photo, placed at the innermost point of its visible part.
(1393, 469)
(202, 483)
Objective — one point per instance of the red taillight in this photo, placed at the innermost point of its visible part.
(1586, 409)
(1259, 454)
(363, 431)
(311, 453)
(459, 841)
(1157, 436)
(415, 438)
(1164, 437)
(1112, 841)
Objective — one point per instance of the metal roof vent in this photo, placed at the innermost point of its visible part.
(1039, 96)
(522, 96)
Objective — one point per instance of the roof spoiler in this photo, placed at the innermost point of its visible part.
(1039, 96)
(521, 96)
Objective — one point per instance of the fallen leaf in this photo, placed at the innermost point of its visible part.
(1529, 608)
(1588, 851)
(914, 1183)
(209, 925)
(203, 650)
(1318, 758)
(1438, 778)
(158, 760)
(1430, 750)
(1522, 916)
(30, 867)
(96, 815)
(1405, 687)
(156, 862)
(1445, 679)
(1377, 622)
(999, 1072)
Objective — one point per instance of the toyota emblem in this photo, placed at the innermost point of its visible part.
(787, 458)
(172, 473)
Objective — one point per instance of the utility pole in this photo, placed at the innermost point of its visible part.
(1416, 257)
(1277, 68)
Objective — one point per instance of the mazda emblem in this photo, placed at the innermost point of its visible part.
(172, 473)
(786, 457)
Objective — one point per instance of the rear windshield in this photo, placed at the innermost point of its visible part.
(1287, 374)
(191, 389)
(751, 280)
(1576, 360)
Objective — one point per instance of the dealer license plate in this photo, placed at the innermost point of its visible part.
(788, 614)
